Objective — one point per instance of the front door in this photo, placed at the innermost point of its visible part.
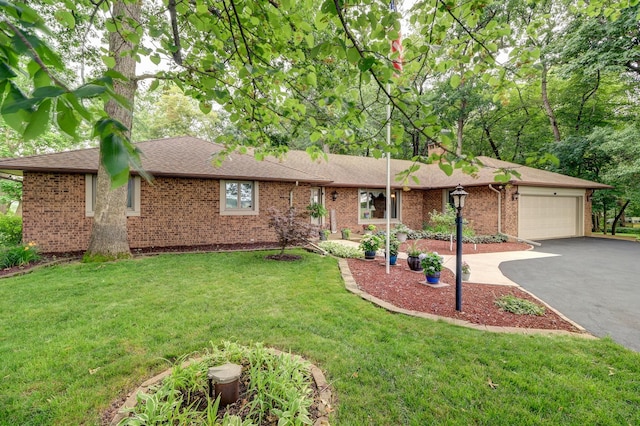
(316, 197)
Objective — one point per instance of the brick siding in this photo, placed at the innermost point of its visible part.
(186, 211)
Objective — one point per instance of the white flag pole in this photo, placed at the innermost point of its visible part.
(388, 207)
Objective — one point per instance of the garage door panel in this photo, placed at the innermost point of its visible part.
(547, 217)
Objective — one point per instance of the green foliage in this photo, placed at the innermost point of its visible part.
(519, 306)
(431, 262)
(10, 191)
(10, 230)
(317, 210)
(394, 244)
(443, 222)
(19, 255)
(370, 242)
(278, 388)
(341, 250)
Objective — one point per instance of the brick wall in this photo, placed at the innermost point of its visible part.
(173, 212)
(53, 212)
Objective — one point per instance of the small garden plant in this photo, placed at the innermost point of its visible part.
(518, 306)
(340, 250)
(19, 255)
(277, 388)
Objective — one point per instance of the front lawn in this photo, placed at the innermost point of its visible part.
(75, 337)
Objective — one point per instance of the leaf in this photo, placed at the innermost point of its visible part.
(108, 61)
(455, 80)
(446, 167)
(365, 64)
(66, 18)
(115, 158)
(38, 122)
(89, 91)
(66, 119)
(48, 92)
(6, 72)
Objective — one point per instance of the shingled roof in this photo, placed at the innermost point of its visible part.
(191, 157)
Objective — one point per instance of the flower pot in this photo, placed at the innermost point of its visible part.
(401, 236)
(414, 263)
(433, 278)
(346, 235)
(393, 259)
(466, 276)
(323, 236)
(369, 255)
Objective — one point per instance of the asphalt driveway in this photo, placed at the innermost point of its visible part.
(594, 281)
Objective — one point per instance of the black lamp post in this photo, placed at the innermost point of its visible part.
(459, 196)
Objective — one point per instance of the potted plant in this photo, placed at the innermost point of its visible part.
(370, 244)
(413, 257)
(317, 210)
(324, 234)
(394, 246)
(402, 231)
(432, 265)
(466, 271)
(369, 229)
(346, 233)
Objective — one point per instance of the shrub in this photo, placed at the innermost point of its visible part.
(340, 250)
(18, 255)
(10, 230)
(518, 306)
(291, 228)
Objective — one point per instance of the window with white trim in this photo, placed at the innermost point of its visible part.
(133, 195)
(373, 204)
(238, 197)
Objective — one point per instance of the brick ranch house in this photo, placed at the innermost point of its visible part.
(190, 202)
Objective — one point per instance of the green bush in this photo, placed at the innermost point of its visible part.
(519, 306)
(10, 230)
(340, 250)
(18, 255)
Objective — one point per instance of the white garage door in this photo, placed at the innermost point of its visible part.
(542, 217)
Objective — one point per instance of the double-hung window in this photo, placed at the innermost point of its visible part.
(238, 197)
(133, 195)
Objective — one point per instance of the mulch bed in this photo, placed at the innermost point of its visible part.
(403, 288)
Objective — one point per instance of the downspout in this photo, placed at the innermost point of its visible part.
(499, 207)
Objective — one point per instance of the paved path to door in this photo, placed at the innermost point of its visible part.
(593, 281)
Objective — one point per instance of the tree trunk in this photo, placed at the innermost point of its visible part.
(547, 104)
(109, 233)
(617, 218)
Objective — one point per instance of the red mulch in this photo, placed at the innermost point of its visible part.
(403, 288)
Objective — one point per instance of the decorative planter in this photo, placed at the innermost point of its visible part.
(346, 234)
(414, 263)
(466, 277)
(323, 236)
(433, 278)
(393, 259)
(369, 255)
(401, 236)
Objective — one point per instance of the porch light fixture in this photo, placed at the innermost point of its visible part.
(515, 196)
(459, 196)
(334, 195)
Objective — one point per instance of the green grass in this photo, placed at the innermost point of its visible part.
(75, 337)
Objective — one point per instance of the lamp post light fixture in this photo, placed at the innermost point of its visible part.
(459, 196)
